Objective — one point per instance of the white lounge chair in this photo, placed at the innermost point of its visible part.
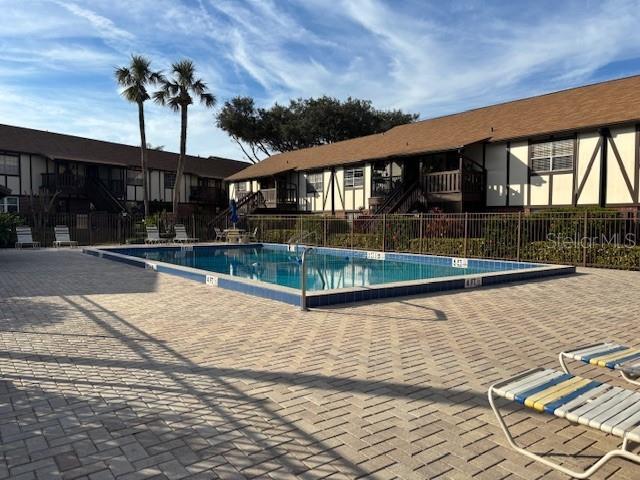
(221, 236)
(62, 237)
(181, 235)
(153, 235)
(613, 356)
(253, 236)
(25, 238)
(596, 405)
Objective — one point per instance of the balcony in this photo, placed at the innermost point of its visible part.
(453, 181)
(285, 198)
(65, 183)
(209, 195)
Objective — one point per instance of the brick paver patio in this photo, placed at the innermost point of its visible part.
(109, 371)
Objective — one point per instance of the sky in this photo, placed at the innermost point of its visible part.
(57, 57)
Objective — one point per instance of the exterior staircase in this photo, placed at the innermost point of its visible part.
(101, 196)
(401, 199)
(245, 206)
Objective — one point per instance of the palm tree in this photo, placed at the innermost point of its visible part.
(134, 79)
(177, 92)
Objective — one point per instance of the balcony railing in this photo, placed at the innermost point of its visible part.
(283, 197)
(66, 183)
(453, 181)
(210, 195)
(70, 184)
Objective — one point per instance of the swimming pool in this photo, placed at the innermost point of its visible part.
(333, 275)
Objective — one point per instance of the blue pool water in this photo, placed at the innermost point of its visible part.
(327, 268)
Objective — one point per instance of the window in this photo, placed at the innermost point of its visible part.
(315, 183)
(9, 205)
(9, 165)
(353, 177)
(552, 156)
(169, 180)
(241, 186)
(134, 177)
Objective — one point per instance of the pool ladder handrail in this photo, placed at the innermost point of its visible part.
(303, 279)
(297, 238)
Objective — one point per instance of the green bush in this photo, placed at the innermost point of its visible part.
(599, 255)
(448, 246)
(276, 235)
(363, 241)
(8, 223)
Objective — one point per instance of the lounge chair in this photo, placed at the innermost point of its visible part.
(253, 236)
(596, 405)
(220, 235)
(62, 237)
(181, 235)
(25, 238)
(607, 355)
(153, 235)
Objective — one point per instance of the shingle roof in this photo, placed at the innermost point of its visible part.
(607, 103)
(69, 147)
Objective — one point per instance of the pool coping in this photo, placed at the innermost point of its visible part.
(334, 296)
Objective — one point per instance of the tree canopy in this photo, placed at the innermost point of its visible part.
(302, 123)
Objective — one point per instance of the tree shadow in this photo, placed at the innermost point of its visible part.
(38, 273)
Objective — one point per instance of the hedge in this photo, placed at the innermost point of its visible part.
(364, 241)
(448, 246)
(602, 255)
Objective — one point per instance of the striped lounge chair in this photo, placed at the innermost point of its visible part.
(582, 401)
(607, 355)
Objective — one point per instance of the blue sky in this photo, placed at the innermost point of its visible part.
(57, 56)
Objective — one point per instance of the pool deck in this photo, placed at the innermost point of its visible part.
(111, 371)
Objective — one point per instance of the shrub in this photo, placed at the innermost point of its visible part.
(277, 235)
(8, 223)
(448, 246)
(363, 241)
(599, 255)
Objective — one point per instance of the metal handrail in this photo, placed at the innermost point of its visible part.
(303, 280)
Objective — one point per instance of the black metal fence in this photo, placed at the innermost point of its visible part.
(600, 239)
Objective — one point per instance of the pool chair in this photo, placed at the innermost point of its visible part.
(220, 235)
(62, 237)
(153, 235)
(626, 360)
(253, 236)
(25, 239)
(181, 235)
(581, 401)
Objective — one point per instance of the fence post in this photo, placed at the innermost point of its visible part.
(584, 238)
(466, 227)
(193, 225)
(351, 233)
(384, 232)
(519, 236)
(421, 229)
(324, 230)
(90, 227)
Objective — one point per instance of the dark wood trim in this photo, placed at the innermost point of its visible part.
(576, 156)
(623, 170)
(604, 135)
(636, 168)
(587, 172)
(550, 189)
(31, 174)
(333, 190)
(508, 179)
(528, 172)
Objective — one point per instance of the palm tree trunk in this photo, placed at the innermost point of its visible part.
(181, 158)
(143, 159)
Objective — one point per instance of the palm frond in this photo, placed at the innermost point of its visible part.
(123, 76)
(183, 72)
(208, 100)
